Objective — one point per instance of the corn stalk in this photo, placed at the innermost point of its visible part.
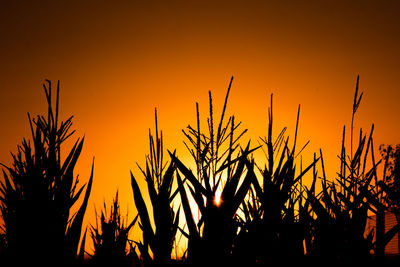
(110, 238)
(159, 181)
(271, 227)
(39, 191)
(219, 166)
(341, 209)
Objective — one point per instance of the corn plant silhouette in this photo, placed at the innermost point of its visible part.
(219, 163)
(270, 228)
(110, 238)
(39, 191)
(341, 208)
(159, 179)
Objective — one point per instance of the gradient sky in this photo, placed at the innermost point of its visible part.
(118, 60)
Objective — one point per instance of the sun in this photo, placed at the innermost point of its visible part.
(217, 198)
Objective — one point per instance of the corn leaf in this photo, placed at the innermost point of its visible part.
(148, 234)
(74, 232)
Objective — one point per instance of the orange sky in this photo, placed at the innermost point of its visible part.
(118, 61)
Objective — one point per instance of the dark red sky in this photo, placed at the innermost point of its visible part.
(117, 60)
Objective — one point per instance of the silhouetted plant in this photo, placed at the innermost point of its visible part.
(341, 209)
(110, 238)
(391, 175)
(272, 227)
(390, 195)
(219, 164)
(159, 181)
(39, 191)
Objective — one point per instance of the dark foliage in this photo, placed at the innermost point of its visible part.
(159, 181)
(220, 165)
(247, 214)
(39, 191)
(271, 228)
(110, 238)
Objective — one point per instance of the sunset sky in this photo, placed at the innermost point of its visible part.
(118, 60)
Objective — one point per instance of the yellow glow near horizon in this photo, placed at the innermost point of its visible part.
(217, 198)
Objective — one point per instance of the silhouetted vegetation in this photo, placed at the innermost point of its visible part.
(110, 238)
(159, 181)
(247, 213)
(39, 191)
(219, 166)
(272, 228)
